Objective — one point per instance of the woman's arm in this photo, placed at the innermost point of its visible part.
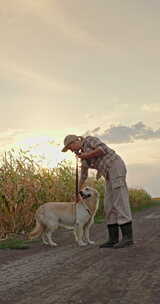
(94, 153)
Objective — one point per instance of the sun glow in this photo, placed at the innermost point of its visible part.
(44, 148)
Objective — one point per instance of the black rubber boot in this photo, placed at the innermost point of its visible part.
(127, 236)
(113, 231)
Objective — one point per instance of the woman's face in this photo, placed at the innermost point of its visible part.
(75, 146)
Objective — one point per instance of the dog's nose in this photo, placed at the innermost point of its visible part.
(81, 192)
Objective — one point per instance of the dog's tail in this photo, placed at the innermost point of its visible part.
(37, 231)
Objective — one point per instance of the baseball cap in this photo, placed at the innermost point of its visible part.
(68, 140)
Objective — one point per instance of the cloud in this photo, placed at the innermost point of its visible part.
(125, 134)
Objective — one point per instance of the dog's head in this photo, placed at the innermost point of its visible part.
(88, 192)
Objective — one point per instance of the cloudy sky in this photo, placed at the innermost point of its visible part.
(83, 67)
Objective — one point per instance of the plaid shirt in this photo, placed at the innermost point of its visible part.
(101, 163)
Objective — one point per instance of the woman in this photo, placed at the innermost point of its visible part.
(97, 155)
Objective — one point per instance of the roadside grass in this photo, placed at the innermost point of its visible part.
(13, 244)
(16, 243)
(99, 219)
(152, 203)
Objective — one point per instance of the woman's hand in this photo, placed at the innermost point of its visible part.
(94, 153)
(82, 155)
(77, 199)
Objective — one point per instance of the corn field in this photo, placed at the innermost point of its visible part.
(25, 185)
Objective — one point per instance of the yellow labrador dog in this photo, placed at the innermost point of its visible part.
(79, 216)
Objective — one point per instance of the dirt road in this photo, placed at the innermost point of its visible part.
(72, 275)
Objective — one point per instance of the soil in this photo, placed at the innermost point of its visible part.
(69, 274)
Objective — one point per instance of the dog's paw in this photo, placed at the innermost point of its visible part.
(45, 243)
(81, 243)
(91, 242)
(53, 244)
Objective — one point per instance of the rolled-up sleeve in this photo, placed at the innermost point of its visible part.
(95, 143)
